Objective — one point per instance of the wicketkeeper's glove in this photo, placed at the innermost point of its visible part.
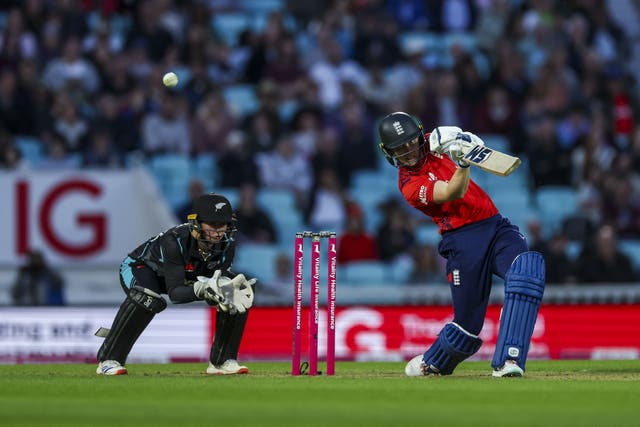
(230, 295)
(206, 288)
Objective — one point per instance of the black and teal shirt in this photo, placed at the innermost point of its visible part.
(174, 257)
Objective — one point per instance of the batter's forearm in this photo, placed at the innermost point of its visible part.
(459, 183)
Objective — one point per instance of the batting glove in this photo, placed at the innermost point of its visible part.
(442, 137)
(457, 155)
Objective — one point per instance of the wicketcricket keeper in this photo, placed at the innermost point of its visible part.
(477, 242)
(189, 262)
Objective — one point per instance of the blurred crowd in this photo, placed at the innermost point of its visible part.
(84, 80)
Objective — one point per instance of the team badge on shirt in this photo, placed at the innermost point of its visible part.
(454, 277)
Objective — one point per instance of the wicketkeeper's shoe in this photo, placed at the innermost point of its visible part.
(111, 367)
(229, 367)
(417, 368)
(509, 369)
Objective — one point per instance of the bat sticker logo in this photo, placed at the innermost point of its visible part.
(220, 205)
(479, 154)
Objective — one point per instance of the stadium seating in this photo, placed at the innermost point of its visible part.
(497, 142)
(364, 273)
(257, 260)
(280, 205)
(241, 99)
(205, 168)
(399, 269)
(419, 41)
(427, 234)
(262, 6)
(554, 204)
(573, 249)
(173, 174)
(232, 194)
(31, 148)
(228, 26)
(631, 247)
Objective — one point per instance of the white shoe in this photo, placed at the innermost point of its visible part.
(417, 368)
(509, 369)
(111, 367)
(229, 367)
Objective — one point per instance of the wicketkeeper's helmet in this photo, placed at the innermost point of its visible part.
(402, 140)
(215, 210)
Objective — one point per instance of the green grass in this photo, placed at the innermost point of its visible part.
(553, 393)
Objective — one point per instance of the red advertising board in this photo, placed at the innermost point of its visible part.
(397, 333)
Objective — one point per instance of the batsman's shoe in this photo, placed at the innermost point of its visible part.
(111, 367)
(417, 368)
(509, 369)
(229, 367)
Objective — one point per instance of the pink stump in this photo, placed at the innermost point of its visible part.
(331, 305)
(297, 304)
(314, 309)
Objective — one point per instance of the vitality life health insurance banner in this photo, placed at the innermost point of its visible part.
(65, 334)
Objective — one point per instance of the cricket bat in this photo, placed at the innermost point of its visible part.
(490, 160)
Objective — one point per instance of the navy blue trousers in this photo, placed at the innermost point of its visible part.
(474, 253)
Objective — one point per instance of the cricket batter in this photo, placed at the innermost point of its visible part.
(189, 262)
(476, 242)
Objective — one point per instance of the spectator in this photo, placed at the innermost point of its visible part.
(72, 129)
(601, 261)
(427, 269)
(560, 268)
(58, 158)
(535, 236)
(253, 223)
(355, 244)
(14, 106)
(329, 74)
(326, 208)
(266, 123)
(70, 71)
(147, 31)
(37, 283)
(196, 189)
(550, 163)
(327, 156)
(237, 165)
(100, 153)
(212, 123)
(121, 126)
(16, 40)
(10, 156)
(168, 130)
(278, 288)
(497, 113)
(285, 168)
(355, 148)
(395, 235)
(446, 106)
(307, 125)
